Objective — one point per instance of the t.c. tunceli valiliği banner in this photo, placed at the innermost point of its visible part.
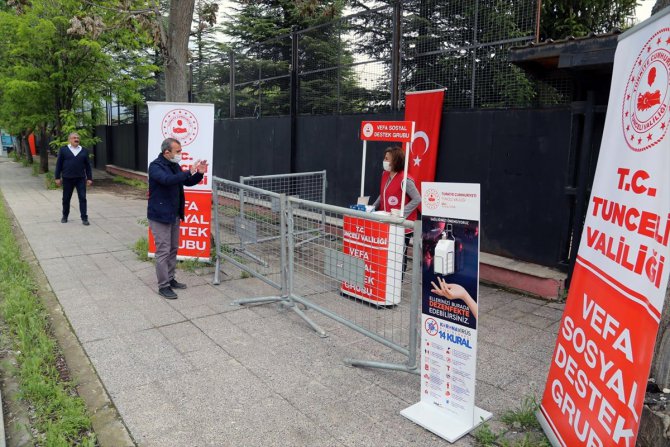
(598, 375)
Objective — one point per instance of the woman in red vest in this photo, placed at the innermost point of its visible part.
(390, 190)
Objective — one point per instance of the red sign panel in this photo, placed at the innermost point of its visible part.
(195, 230)
(400, 131)
(381, 248)
(597, 381)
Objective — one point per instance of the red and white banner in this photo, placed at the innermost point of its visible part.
(193, 126)
(381, 246)
(425, 109)
(400, 131)
(598, 375)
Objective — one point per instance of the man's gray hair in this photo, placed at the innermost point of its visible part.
(166, 145)
(73, 134)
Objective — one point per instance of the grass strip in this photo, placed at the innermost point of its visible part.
(58, 413)
(139, 184)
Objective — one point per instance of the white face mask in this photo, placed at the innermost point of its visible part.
(387, 165)
(176, 159)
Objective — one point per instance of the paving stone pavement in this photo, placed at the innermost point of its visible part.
(199, 372)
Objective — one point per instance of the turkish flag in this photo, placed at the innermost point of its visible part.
(425, 109)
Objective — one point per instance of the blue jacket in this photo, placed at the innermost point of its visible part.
(166, 190)
(70, 166)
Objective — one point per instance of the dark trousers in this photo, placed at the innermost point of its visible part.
(405, 254)
(69, 184)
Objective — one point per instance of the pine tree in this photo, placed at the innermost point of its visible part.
(563, 18)
(261, 32)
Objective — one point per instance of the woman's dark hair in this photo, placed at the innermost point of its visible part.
(397, 158)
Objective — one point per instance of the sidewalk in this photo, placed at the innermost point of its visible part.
(199, 372)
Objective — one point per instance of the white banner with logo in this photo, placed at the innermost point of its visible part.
(193, 126)
(450, 310)
(596, 384)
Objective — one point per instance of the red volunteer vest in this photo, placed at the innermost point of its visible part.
(390, 195)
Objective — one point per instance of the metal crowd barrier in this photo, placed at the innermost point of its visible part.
(250, 233)
(304, 185)
(353, 267)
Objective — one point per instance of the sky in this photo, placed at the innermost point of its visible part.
(643, 10)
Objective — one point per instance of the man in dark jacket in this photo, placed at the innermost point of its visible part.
(166, 209)
(75, 168)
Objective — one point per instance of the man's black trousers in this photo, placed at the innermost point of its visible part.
(69, 184)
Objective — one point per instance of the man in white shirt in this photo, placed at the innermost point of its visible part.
(75, 168)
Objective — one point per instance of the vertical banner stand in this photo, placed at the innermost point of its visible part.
(450, 311)
(193, 126)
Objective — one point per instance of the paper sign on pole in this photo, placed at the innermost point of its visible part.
(450, 309)
(598, 375)
(193, 126)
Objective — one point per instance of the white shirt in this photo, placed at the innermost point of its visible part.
(75, 150)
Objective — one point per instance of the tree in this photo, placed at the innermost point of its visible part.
(174, 43)
(59, 61)
(210, 59)
(262, 39)
(563, 18)
(456, 45)
(660, 4)
(170, 33)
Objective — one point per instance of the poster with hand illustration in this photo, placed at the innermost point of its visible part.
(450, 305)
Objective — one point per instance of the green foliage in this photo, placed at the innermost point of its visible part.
(521, 428)
(485, 436)
(258, 22)
(59, 64)
(523, 416)
(141, 249)
(563, 18)
(139, 184)
(59, 414)
(36, 170)
(191, 265)
(49, 181)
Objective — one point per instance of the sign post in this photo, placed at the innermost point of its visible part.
(598, 374)
(193, 126)
(450, 310)
(378, 244)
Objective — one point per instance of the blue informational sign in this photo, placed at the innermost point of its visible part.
(7, 140)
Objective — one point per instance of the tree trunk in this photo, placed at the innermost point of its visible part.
(660, 368)
(24, 147)
(176, 70)
(29, 154)
(44, 149)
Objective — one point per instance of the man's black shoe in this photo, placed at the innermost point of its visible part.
(63, 220)
(85, 222)
(167, 293)
(176, 284)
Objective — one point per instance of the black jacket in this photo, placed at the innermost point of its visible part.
(166, 190)
(69, 166)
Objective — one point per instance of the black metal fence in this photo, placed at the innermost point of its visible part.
(365, 62)
(519, 156)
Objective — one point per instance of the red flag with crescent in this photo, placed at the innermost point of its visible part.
(425, 109)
